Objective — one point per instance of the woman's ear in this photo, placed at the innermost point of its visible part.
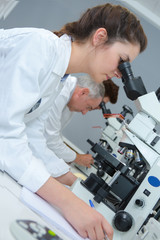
(100, 36)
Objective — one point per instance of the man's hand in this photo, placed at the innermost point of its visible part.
(84, 160)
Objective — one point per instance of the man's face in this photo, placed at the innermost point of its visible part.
(81, 102)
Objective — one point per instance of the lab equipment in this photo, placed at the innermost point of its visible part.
(110, 137)
(31, 230)
(128, 191)
(112, 134)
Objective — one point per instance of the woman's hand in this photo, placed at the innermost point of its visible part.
(86, 220)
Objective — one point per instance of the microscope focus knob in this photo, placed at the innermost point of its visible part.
(100, 171)
(122, 221)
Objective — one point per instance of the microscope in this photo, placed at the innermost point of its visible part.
(112, 133)
(128, 194)
(110, 137)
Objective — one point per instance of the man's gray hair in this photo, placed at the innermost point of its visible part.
(96, 90)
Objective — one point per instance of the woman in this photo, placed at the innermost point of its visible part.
(32, 63)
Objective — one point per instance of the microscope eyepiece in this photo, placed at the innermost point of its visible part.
(103, 107)
(133, 86)
(125, 69)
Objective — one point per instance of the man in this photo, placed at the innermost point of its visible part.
(78, 95)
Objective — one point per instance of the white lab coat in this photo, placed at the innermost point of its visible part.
(32, 63)
(59, 117)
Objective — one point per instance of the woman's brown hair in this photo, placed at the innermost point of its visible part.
(120, 24)
(111, 90)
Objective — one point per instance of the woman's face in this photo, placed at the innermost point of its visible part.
(104, 60)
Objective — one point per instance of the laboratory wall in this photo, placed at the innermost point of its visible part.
(52, 15)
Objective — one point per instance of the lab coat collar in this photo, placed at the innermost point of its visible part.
(64, 53)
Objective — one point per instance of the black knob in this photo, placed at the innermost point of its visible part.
(100, 171)
(122, 221)
(139, 202)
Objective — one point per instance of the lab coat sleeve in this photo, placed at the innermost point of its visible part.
(53, 133)
(21, 73)
(37, 142)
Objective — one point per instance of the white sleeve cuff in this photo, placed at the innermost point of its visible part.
(57, 168)
(70, 156)
(34, 177)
